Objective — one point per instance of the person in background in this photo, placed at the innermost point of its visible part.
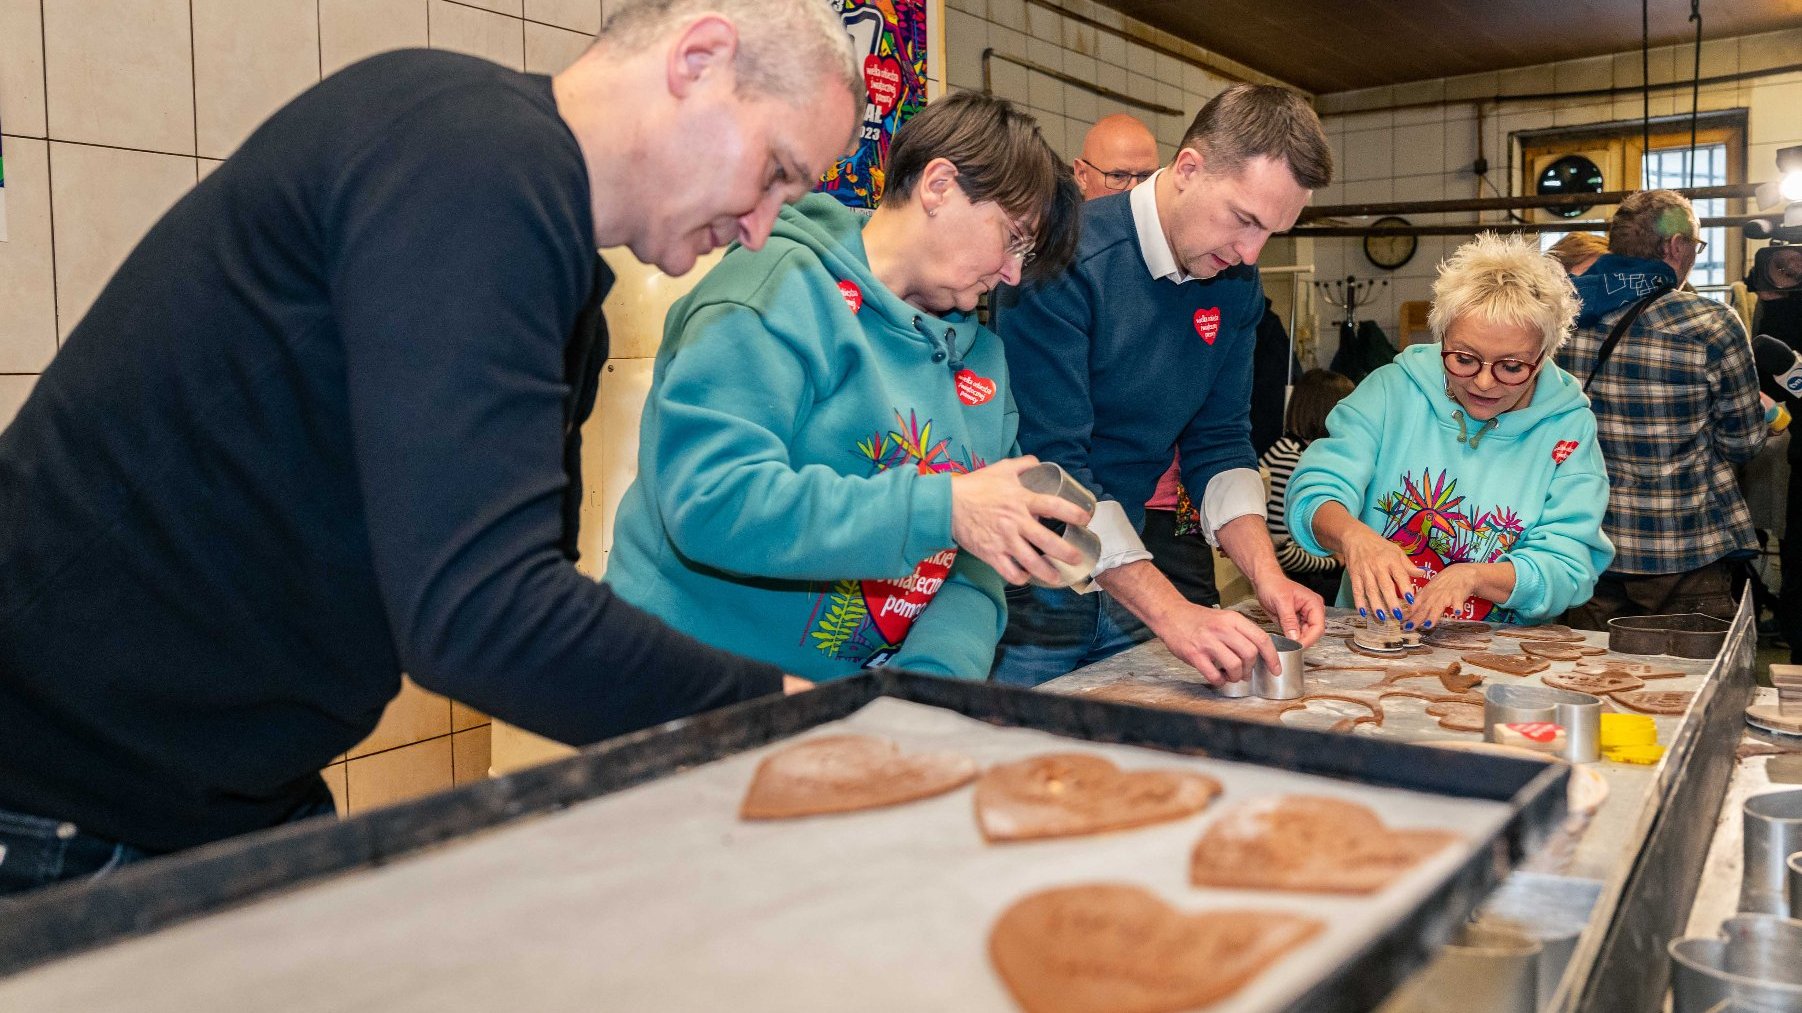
(1464, 479)
(320, 428)
(1142, 346)
(1677, 402)
(1577, 251)
(1118, 153)
(827, 424)
(1315, 394)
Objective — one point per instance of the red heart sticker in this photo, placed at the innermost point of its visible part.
(1562, 451)
(1538, 731)
(1207, 323)
(972, 389)
(882, 76)
(894, 604)
(853, 295)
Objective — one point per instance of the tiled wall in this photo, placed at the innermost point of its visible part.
(112, 109)
(1425, 153)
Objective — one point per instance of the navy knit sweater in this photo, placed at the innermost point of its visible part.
(313, 433)
(1112, 369)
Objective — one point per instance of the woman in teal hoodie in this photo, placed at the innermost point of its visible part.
(1464, 478)
(820, 409)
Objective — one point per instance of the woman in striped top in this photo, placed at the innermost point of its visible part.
(1314, 396)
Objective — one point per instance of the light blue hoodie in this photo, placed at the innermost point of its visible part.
(1527, 488)
(793, 498)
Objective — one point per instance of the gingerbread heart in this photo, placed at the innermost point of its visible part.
(1458, 641)
(1549, 631)
(1554, 650)
(1458, 716)
(1456, 626)
(1638, 669)
(1114, 948)
(1070, 794)
(1656, 701)
(847, 773)
(1596, 685)
(1510, 664)
(1303, 842)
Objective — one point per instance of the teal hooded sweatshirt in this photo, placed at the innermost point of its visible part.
(793, 498)
(1528, 487)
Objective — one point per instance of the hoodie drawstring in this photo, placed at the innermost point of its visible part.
(1464, 435)
(947, 349)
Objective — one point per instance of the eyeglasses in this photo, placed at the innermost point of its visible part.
(1019, 245)
(1701, 244)
(1119, 179)
(1507, 372)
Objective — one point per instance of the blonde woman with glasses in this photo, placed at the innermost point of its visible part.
(1464, 479)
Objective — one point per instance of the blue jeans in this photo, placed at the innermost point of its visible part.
(1054, 631)
(35, 851)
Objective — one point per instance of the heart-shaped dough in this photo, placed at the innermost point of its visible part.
(1656, 701)
(1069, 794)
(1305, 842)
(1637, 669)
(1597, 685)
(1114, 948)
(1512, 664)
(1559, 651)
(846, 773)
(1457, 716)
(1547, 631)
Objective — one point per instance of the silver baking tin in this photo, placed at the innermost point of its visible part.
(1288, 682)
(1756, 963)
(1579, 713)
(1773, 832)
(1050, 478)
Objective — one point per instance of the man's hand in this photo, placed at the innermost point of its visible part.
(1298, 611)
(1219, 643)
(997, 518)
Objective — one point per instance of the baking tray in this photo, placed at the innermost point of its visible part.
(566, 909)
(1684, 635)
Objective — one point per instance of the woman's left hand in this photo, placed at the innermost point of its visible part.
(1445, 593)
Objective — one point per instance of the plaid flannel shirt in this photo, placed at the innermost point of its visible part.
(1676, 408)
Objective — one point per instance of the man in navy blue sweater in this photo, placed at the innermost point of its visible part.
(321, 428)
(1143, 346)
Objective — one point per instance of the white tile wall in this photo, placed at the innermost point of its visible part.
(550, 49)
(104, 200)
(14, 389)
(21, 67)
(249, 60)
(464, 29)
(1425, 152)
(350, 30)
(576, 15)
(120, 72)
(27, 278)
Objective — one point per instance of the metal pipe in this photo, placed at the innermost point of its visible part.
(1548, 96)
(1472, 228)
(1107, 93)
(1084, 19)
(1733, 190)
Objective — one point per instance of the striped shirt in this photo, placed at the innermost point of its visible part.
(1676, 408)
(1280, 461)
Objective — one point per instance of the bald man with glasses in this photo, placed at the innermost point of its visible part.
(1118, 154)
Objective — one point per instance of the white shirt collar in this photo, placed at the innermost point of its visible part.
(1152, 244)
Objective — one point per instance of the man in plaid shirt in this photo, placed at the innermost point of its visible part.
(1676, 407)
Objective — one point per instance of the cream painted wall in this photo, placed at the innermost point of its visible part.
(1424, 153)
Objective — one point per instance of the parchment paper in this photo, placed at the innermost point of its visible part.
(659, 898)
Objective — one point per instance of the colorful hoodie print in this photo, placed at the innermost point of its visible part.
(1527, 487)
(793, 497)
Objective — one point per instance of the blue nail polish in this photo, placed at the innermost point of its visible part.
(1363, 614)
(1398, 613)
(1410, 598)
(1407, 626)
(1427, 625)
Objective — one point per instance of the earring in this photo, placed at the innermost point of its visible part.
(932, 212)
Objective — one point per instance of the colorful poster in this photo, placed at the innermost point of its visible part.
(889, 36)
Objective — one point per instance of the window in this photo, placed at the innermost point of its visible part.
(1669, 169)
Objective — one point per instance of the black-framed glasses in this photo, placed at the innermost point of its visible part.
(1701, 244)
(1118, 179)
(1507, 372)
(1020, 245)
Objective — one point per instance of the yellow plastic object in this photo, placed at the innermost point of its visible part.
(1628, 730)
(1634, 754)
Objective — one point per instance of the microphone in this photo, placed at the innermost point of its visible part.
(1779, 369)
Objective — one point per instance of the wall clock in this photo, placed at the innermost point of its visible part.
(1390, 252)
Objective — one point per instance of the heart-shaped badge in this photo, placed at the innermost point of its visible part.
(1562, 450)
(972, 389)
(1207, 323)
(853, 295)
(846, 773)
(1110, 947)
(1305, 842)
(1067, 794)
(882, 76)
